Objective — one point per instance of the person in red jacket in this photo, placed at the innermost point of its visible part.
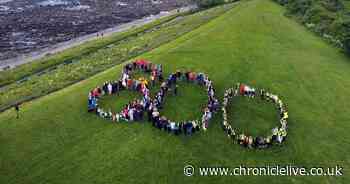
(241, 89)
(130, 82)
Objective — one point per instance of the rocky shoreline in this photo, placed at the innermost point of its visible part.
(30, 25)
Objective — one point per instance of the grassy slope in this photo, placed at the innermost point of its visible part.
(56, 141)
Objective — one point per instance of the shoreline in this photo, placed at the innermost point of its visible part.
(11, 63)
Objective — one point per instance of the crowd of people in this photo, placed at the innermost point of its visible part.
(277, 135)
(136, 109)
(171, 85)
(126, 82)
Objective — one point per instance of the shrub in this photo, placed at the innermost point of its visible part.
(209, 3)
(299, 7)
(282, 2)
(347, 45)
(332, 5)
(328, 18)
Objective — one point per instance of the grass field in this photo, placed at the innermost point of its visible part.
(57, 141)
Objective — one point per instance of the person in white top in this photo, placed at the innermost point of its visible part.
(172, 126)
(131, 114)
(109, 86)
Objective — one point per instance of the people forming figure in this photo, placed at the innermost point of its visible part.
(135, 109)
(191, 77)
(278, 134)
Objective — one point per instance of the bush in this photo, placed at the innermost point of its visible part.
(345, 32)
(341, 27)
(332, 5)
(328, 18)
(299, 7)
(209, 3)
(282, 2)
(347, 46)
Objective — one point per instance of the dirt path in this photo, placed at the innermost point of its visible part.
(30, 57)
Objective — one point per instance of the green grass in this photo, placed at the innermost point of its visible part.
(180, 108)
(116, 103)
(252, 116)
(57, 141)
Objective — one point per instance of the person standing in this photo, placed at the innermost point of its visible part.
(17, 110)
(175, 90)
(153, 82)
(109, 88)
